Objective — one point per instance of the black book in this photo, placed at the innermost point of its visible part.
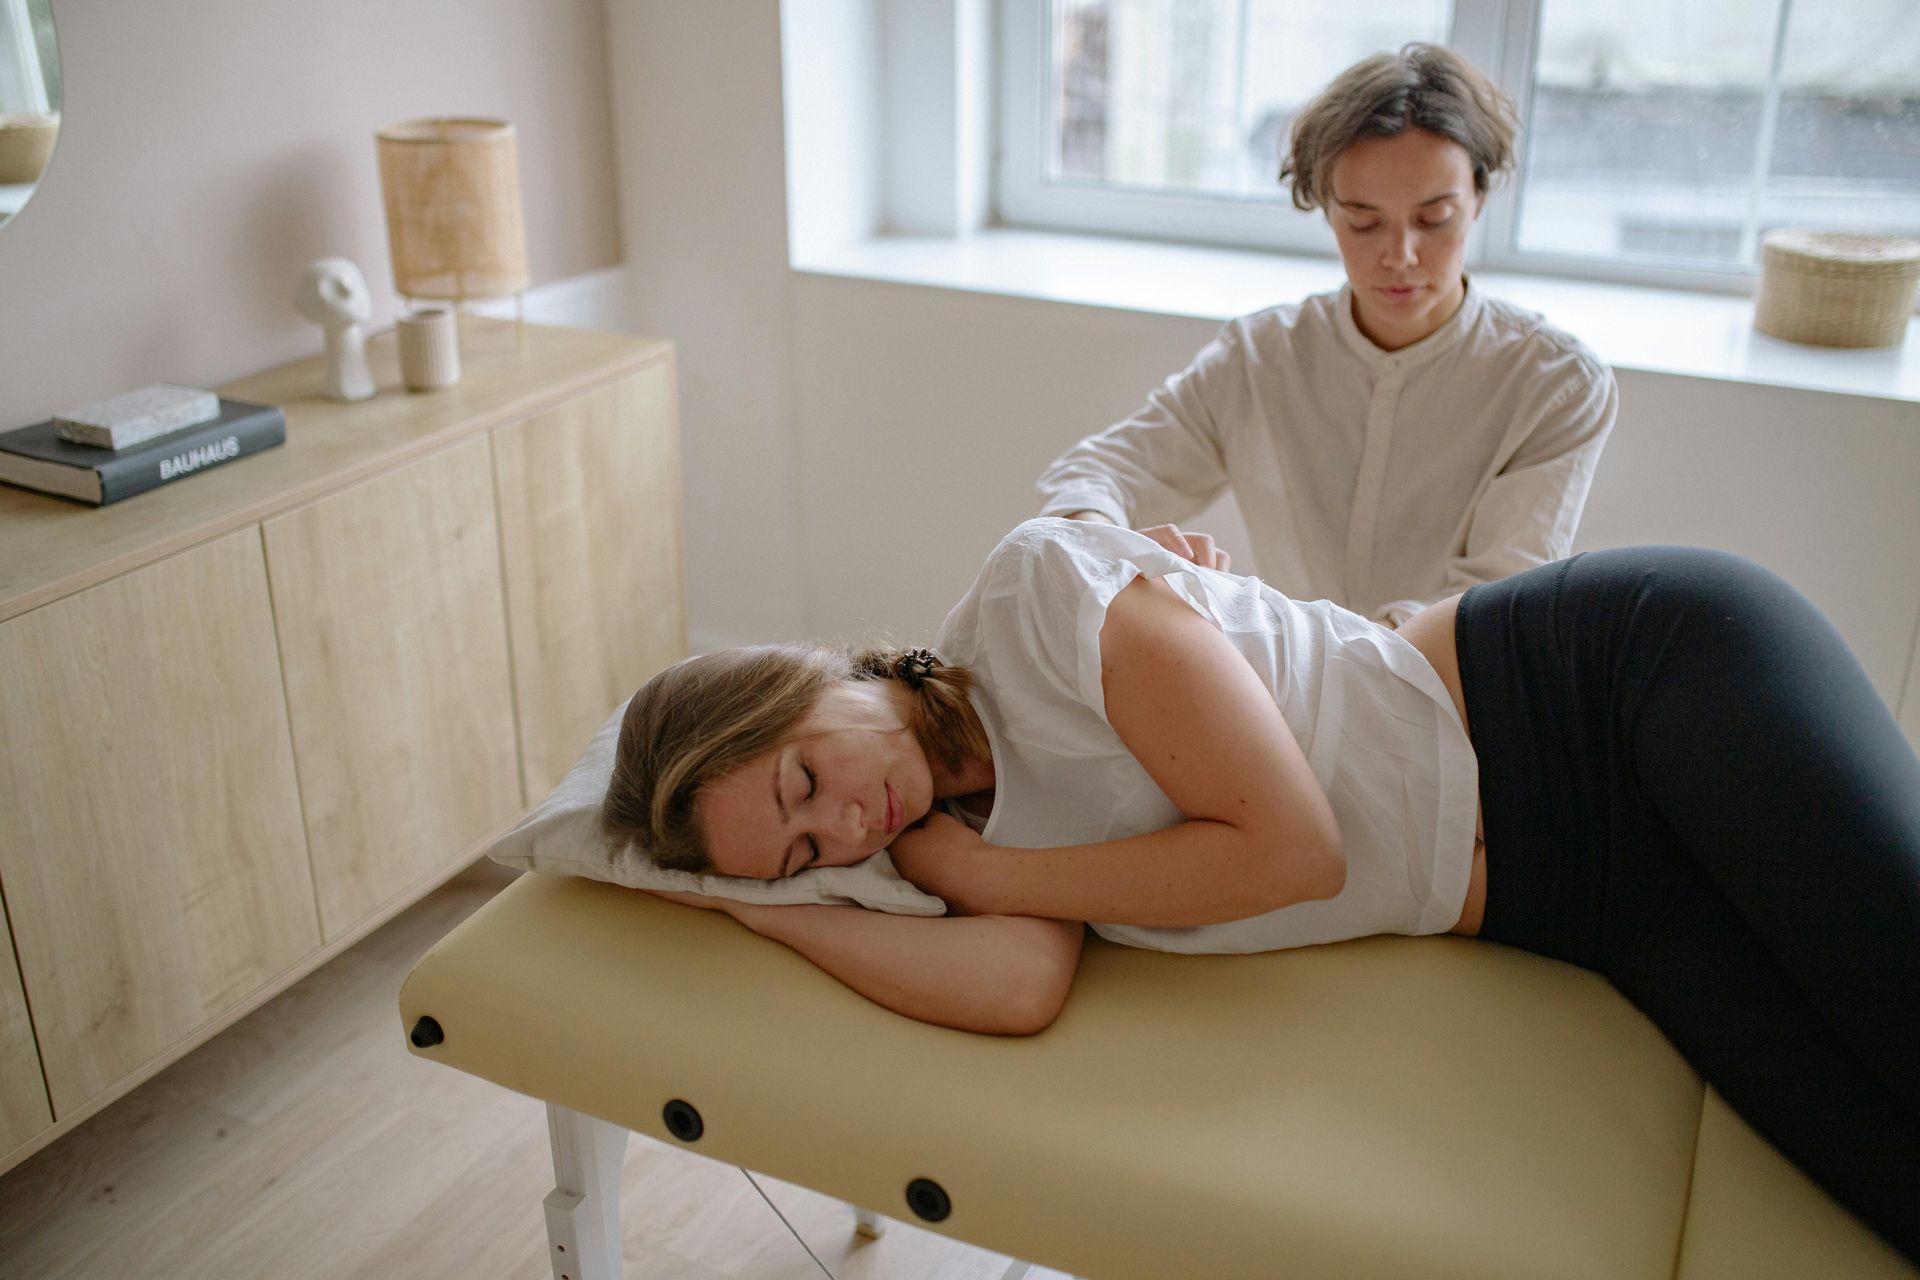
(35, 458)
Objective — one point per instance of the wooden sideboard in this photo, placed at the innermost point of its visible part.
(249, 716)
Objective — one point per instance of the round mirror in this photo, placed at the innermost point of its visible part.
(29, 99)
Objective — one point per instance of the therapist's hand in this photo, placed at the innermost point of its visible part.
(933, 856)
(1188, 545)
(1197, 547)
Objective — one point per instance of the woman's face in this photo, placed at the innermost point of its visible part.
(1401, 208)
(835, 793)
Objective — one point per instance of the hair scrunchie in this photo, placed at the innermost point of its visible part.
(914, 666)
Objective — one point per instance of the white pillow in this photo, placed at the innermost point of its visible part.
(562, 837)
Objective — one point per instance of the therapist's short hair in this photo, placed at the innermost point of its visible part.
(1423, 86)
(699, 720)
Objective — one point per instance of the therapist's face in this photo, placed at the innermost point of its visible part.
(834, 794)
(1401, 208)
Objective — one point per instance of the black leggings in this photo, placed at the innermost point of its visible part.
(1690, 787)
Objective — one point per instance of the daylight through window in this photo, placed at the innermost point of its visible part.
(1664, 132)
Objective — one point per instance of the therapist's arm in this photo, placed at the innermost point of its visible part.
(1259, 834)
(1161, 464)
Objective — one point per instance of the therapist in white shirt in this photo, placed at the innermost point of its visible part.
(1396, 441)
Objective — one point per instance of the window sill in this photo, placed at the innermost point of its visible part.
(1630, 327)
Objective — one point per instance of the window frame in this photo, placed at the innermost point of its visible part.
(1499, 36)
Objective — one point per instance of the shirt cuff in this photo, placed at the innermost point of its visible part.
(1066, 504)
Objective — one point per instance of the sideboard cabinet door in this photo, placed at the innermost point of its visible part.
(152, 853)
(24, 1110)
(393, 638)
(590, 536)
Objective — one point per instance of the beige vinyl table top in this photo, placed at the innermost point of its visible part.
(1429, 1107)
(50, 548)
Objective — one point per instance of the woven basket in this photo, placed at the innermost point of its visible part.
(1836, 288)
(25, 144)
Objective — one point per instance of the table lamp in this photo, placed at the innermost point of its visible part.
(452, 191)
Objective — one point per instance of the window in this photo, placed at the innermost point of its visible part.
(29, 99)
(29, 69)
(1683, 133)
(1662, 138)
(1168, 117)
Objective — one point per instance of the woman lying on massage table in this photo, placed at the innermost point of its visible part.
(1677, 776)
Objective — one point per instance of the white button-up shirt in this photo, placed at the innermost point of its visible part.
(1382, 480)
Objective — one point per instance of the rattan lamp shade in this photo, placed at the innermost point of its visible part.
(452, 189)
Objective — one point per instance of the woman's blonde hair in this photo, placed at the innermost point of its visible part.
(1421, 87)
(699, 720)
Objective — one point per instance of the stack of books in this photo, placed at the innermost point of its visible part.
(115, 448)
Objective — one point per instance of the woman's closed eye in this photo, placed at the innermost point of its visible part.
(812, 845)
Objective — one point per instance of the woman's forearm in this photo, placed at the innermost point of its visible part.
(1193, 873)
(1005, 975)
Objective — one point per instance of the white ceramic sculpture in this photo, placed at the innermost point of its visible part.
(333, 294)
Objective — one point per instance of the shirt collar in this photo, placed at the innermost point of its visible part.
(1442, 340)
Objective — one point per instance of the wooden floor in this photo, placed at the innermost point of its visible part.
(306, 1142)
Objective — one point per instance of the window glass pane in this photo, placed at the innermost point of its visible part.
(29, 64)
(1661, 132)
(1846, 149)
(40, 12)
(1198, 95)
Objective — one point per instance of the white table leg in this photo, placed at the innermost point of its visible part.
(583, 1210)
(867, 1223)
(1017, 1270)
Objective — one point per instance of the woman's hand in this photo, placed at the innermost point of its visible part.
(932, 855)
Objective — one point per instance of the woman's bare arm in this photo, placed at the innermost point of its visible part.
(1259, 833)
(1007, 975)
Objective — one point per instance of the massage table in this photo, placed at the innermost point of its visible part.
(1391, 1107)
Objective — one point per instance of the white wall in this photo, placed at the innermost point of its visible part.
(829, 55)
(1823, 489)
(856, 447)
(697, 128)
(209, 149)
(926, 414)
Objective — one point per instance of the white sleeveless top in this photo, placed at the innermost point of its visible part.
(1374, 720)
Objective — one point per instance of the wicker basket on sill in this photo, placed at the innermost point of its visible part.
(1836, 288)
(26, 143)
